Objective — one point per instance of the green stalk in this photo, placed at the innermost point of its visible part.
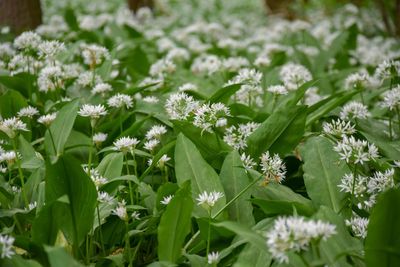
(129, 182)
(353, 185)
(127, 244)
(20, 173)
(100, 232)
(209, 233)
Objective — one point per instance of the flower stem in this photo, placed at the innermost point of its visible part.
(129, 182)
(100, 232)
(20, 173)
(127, 244)
(208, 233)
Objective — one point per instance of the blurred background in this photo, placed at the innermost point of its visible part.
(20, 15)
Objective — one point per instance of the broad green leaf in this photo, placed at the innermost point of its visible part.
(382, 245)
(10, 103)
(223, 94)
(244, 232)
(252, 256)
(211, 147)
(234, 179)
(18, 261)
(58, 257)
(280, 207)
(189, 165)
(175, 225)
(111, 165)
(67, 177)
(323, 171)
(60, 130)
(281, 131)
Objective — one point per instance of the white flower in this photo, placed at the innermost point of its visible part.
(391, 98)
(356, 151)
(156, 132)
(188, 87)
(27, 41)
(94, 54)
(206, 64)
(28, 111)
(12, 125)
(92, 111)
(166, 199)
(338, 128)
(104, 197)
(125, 144)
(209, 116)
(248, 162)
(49, 49)
(101, 88)
(387, 69)
(120, 100)
(358, 226)
(233, 64)
(213, 257)
(262, 61)
(151, 144)
(273, 168)
(295, 234)
(162, 67)
(354, 110)
(120, 211)
(135, 215)
(97, 179)
(236, 137)
(99, 138)
(6, 243)
(360, 184)
(357, 81)
(50, 78)
(47, 119)
(86, 78)
(208, 200)
(294, 75)
(179, 106)
(247, 76)
(9, 156)
(277, 90)
(151, 99)
(381, 181)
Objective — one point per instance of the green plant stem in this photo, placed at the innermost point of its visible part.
(390, 128)
(100, 232)
(127, 244)
(222, 209)
(129, 182)
(89, 165)
(208, 233)
(20, 173)
(398, 117)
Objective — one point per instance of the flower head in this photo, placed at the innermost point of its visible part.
(12, 125)
(120, 100)
(92, 111)
(47, 119)
(354, 110)
(208, 200)
(28, 111)
(213, 257)
(356, 151)
(125, 144)
(272, 167)
(6, 243)
(179, 106)
(166, 199)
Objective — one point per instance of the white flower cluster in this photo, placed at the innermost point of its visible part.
(120, 211)
(50, 79)
(94, 55)
(354, 110)
(250, 91)
(294, 75)
(273, 168)
(92, 111)
(360, 80)
(180, 106)
(338, 128)
(358, 226)
(126, 144)
(388, 69)
(120, 100)
(366, 189)
(6, 243)
(295, 234)
(206, 64)
(211, 116)
(208, 199)
(356, 151)
(391, 98)
(236, 137)
(11, 126)
(28, 112)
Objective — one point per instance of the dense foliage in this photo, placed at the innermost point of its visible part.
(203, 133)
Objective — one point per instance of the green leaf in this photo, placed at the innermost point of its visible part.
(280, 207)
(223, 94)
(189, 165)
(382, 245)
(244, 232)
(18, 261)
(111, 165)
(67, 177)
(175, 225)
(281, 131)
(252, 256)
(70, 19)
(60, 130)
(234, 179)
(323, 171)
(10, 103)
(58, 257)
